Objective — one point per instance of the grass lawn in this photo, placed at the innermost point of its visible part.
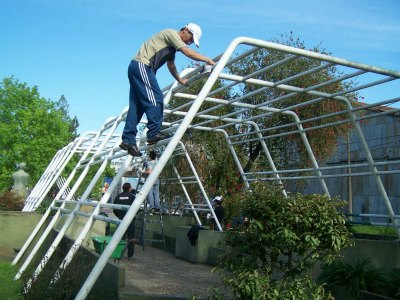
(374, 230)
(9, 288)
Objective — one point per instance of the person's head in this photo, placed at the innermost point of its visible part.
(218, 200)
(106, 184)
(191, 33)
(153, 155)
(126, 187)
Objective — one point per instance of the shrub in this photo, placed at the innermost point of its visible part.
(271, 253)
(394, 283)
(10, 201)
(355, 276)
(44, 205)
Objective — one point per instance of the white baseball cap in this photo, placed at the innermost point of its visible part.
(218, 198)
(196, 31)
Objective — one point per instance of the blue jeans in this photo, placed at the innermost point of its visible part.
(154, 195)
(145, 96)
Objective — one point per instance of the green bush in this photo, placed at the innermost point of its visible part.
(9, 201)
(359, 276)
(44, 205)
(354, 277)
(394, 283)
(268, 257)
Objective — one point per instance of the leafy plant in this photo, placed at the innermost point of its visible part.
(394, 283)
(44, 205)
(354, 276)
(9, 201)
(283, 237)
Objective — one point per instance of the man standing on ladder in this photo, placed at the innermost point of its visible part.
(153, 197)
(145, 95)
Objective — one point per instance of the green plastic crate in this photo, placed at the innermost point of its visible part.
(100, 242)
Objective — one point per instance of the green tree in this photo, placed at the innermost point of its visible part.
(269, 256)
(63, 106)
(32, 129)
(210, 154)
(208, 150)
(323, 140)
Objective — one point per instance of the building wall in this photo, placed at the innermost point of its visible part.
(382, 135)
(15, 228)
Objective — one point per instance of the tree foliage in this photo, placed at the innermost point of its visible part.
(210, 153)
(269, 255)
(207, 149)
(323, 140)
(32, 129)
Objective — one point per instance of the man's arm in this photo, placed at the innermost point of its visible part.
(148, 170)
(191, 54)
(196, 55)
(172, 69)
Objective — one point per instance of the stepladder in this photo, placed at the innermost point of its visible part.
(149, 221)
(151, 228)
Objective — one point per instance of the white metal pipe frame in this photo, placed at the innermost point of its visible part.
(260, 103)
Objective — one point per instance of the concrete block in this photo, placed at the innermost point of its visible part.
(199, 252)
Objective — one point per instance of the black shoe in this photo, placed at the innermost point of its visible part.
(132, 149)
(156, 138)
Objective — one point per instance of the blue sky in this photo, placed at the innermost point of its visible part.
(82, 48)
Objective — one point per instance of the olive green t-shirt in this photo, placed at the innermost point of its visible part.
(160, 48)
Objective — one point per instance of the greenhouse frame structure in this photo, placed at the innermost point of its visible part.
(99, 148)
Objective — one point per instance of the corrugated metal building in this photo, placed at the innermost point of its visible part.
(382, 134)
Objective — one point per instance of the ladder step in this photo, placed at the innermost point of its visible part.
(146, 219)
